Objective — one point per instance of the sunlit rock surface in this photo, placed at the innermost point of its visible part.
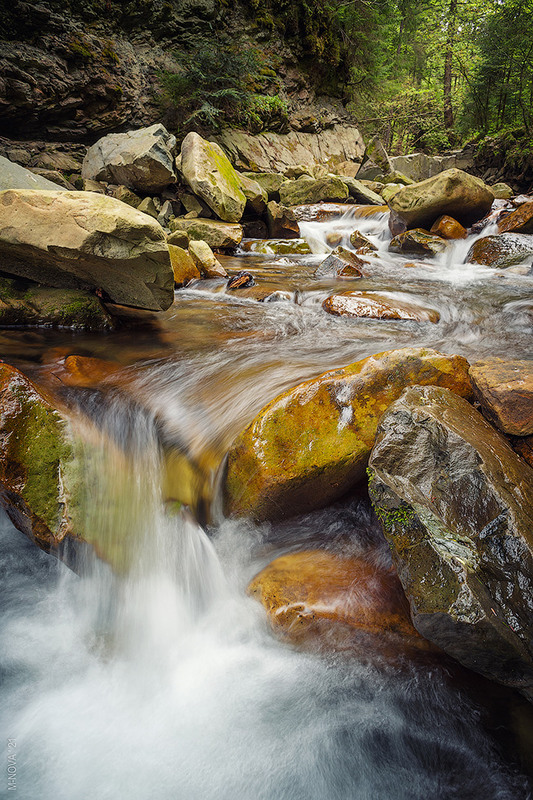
(504, 390)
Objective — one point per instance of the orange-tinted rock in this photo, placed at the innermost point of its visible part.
(311, 444)
(85, 371)
(370, 211)
(341, 263)
(183, 266)
(523, 445)
(500, 252)
(318, 597)
(357, 240)
(504, 390)
(448, 228)
(418, 242)
(519, 221)
(376, 306)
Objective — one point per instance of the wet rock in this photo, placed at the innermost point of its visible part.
(377, 306)
(369, 211)
(205, 260)
(448, 228)
(270, 182)
(28, 304)
(523, 445)
(504, 389)
(183, 266)
(361, 193)
(456, 505)
(311, 444)
(357, 240)
(315, 597)
(308, 190)
(276, 247)
(85, 371)
(417, 242)
(243, 280)
(341, 263)
(519, 221)
(218, 235)
(84, 240)
(502, 191)
(141, 159)
(13, 176)
(501, 251)
(282, 222)
(334, 238)
(452, 192)
(209, 173)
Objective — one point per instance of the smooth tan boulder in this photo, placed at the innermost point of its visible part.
(377, 306)
(84, 240)
(311, 444)
(452, 192)
(316, 597)
(205, 260)
(504, 390)
(212, 177)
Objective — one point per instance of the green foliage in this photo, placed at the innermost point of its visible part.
(220, 84)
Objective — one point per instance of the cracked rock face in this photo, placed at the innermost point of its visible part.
(456, 506)
(84, 240)
(308, 446)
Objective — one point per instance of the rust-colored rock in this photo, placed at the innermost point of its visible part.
(311, 444)
(316, 597)
(377, 306)
(448, 228)
(504, 390)
(502, 251)
(85, 371)
(417, 242)
(358, 240)
(523, 445)
(519, 221)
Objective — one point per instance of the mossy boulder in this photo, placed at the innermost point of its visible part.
(270, 182)
(316, 598)
(418, 242)
(307, 190)
(218, 235)
(183, 266)
(27, 304)
(311, 444)
(212, 177)
(456, 506)
(84, 240)
(361, 193)
(452, 192)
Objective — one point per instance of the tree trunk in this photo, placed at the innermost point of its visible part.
(448, 56)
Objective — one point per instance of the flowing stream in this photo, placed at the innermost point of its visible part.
(165, 681)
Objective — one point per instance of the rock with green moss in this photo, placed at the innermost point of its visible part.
(22, 303)
(456, 506)
(218, 235)
(362, 193)
(308, 446)
(307, 190)
(212, 177)
(84, 240)
(270, 182)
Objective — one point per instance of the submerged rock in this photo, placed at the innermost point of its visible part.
(319, 598)
(452, 192)
(84, 240)
(218, 235)
(501, 251)
(377, 306)
(504, 390)
(417, 242)
(211, 176)
(141, 159)
(456, 505)
(311, 444)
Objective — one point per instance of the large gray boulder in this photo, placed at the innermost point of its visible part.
(456, 505)
(141, 159)
(453, 192)
(85, 240)
(13, 176)
(211, 176)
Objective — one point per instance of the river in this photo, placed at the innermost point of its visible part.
(166, 682)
